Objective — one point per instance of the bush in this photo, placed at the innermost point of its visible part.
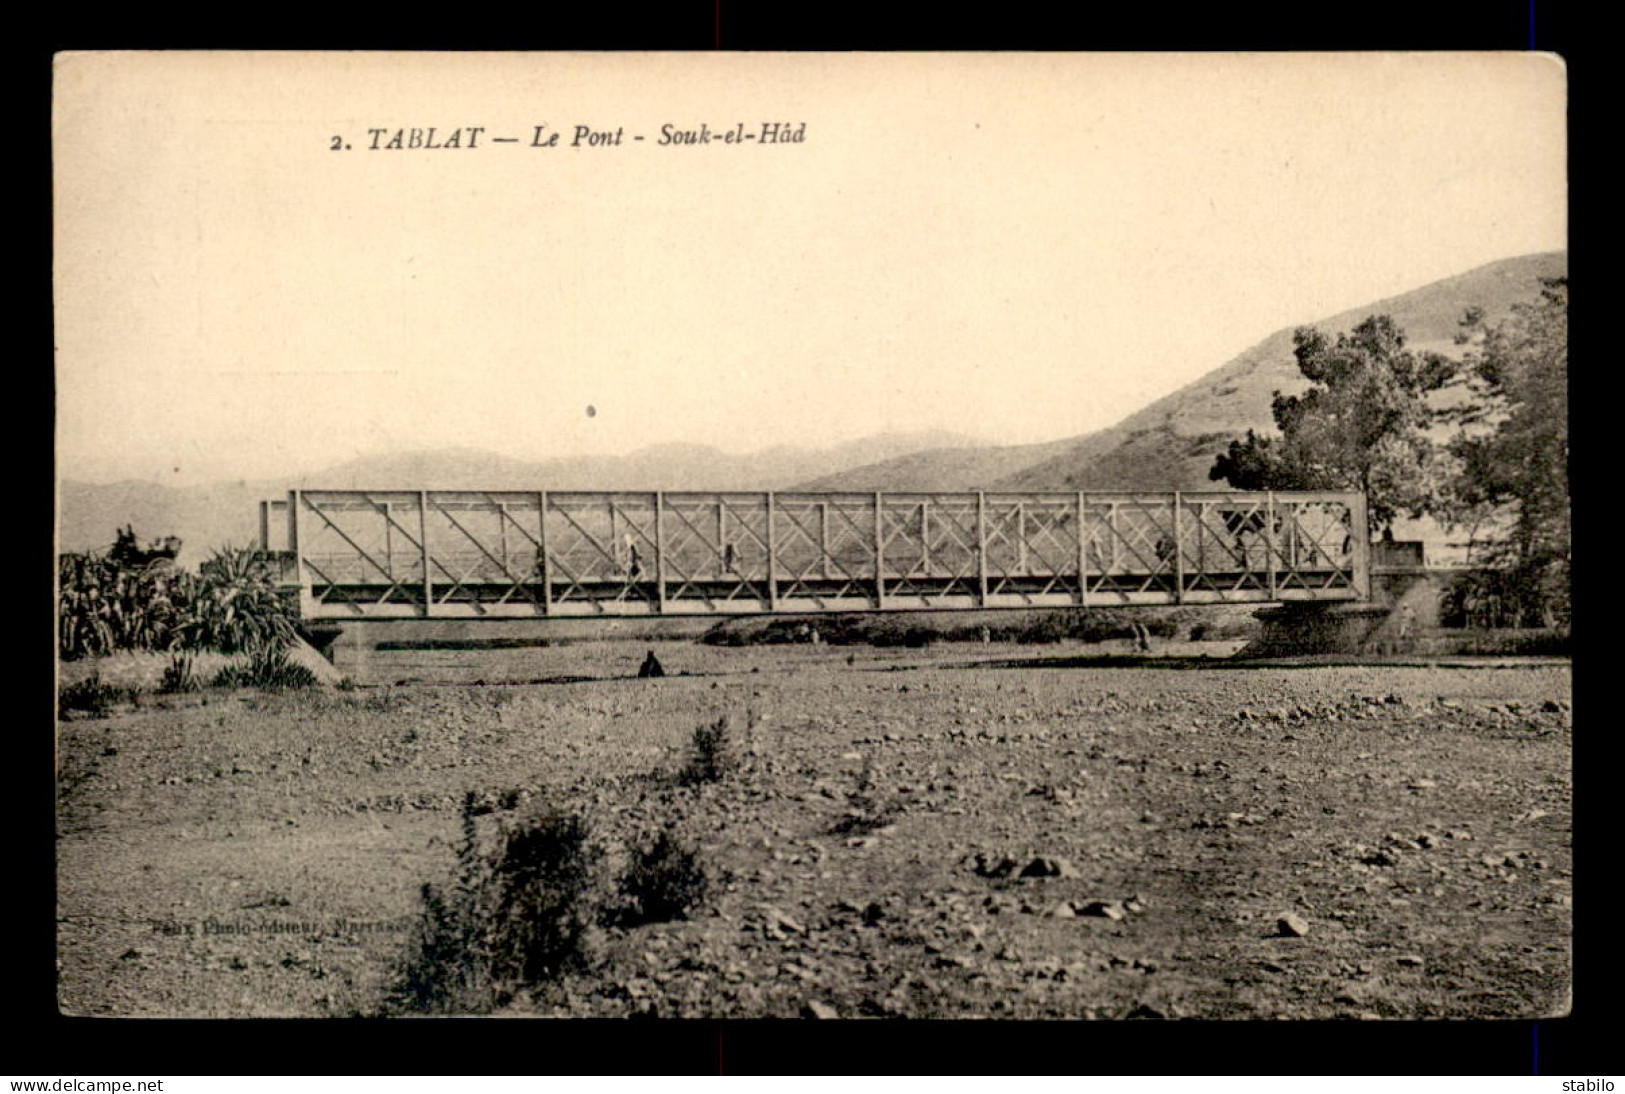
(178, 676)
(103, 606)
(713, 755)
(511, 920)
(868, 810)
(238, 606)
(92, 696)
(270, 666)
(232, 605)
(665, 880)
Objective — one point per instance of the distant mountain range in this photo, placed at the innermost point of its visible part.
(217, 514)
(1168, 445)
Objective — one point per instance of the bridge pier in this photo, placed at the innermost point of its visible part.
(1404, 601)
(1293, 630)
(321, 636)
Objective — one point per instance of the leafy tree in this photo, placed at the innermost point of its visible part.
(1513, 446)
(1362, 425)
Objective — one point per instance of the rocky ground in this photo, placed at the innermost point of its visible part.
(920, 833)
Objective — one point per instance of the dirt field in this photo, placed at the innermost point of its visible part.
(253, 854)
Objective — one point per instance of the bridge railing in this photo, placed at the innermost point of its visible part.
(478, 554)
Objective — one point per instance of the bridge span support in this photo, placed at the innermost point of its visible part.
(1404, 602)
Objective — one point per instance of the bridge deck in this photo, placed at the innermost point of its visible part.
(488, 554)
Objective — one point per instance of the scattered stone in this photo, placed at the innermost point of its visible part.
(814, 1009)
(1049, 867)
(776, 918)
(995, 866)
(1062, 910)
(1106, 909)
(1292, 925)
(1410, 960)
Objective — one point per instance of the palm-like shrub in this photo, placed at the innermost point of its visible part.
(232, 604)
(238, 606)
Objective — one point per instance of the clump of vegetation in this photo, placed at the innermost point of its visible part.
(869, 809)
(104, 606)
(92, 696)
(237, 606)
(1512, 453)
(666, 879)
(512, 918)
(179, 676)
(1362, 424)
(269, 667)
(126, 601)
(713, 756)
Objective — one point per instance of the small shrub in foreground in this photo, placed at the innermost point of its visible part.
(92, 696)
(666, 880)
(868, 809)
(268, 666)
(713, 754)
(512, 918)
(179, 676)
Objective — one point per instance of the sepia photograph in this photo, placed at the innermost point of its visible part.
(827, 536)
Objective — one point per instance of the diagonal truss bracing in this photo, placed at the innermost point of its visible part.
(507, 554)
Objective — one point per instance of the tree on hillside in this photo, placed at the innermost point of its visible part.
(1513, 445)
(1362, 425)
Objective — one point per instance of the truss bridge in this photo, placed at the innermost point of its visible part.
(433, 554)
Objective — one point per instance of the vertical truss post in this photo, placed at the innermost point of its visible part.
(1269, 537)
(1179, 553)
(623, 562)
(502, 533)
(1360, 534)
(1202, 513)
(1021, 538)
(981, 549)
(925, 537)
(722, 537)
(389, 540)
(1111, 522)
(1083, 552)
(880, 576)
(823, 539)
(772, 558)
(543, 569)
(660, 551)
(423, 552)
(305, 593)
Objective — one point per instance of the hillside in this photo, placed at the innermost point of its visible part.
(1171, 444)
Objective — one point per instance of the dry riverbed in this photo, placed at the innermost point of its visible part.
(1049, 839)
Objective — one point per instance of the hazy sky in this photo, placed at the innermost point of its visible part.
(1017, 247)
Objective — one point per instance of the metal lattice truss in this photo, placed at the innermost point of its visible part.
(489, 554)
